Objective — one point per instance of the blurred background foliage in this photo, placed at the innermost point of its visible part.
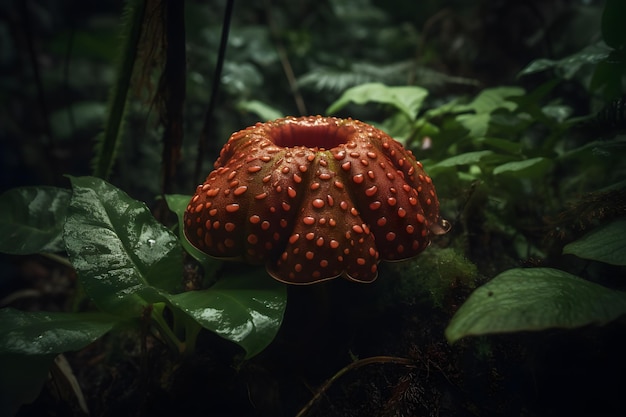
(57, 64)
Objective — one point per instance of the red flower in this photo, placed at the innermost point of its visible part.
(314, 198)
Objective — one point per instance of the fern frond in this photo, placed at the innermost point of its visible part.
(337, 80)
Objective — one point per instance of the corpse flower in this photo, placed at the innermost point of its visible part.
(314, 198)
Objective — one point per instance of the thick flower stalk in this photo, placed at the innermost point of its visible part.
(314, 198)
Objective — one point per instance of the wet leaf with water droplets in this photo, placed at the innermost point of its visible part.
(122, 254)
(246, 308)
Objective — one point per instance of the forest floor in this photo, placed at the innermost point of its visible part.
(344, 350)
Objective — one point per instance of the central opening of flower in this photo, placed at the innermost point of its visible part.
(311, 135)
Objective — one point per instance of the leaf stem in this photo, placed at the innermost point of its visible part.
(164, 329)
(57, 258)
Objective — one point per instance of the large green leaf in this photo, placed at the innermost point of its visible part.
(406, 99)
(534, 299)
(31, 219)
(44, 333)
(30, 341)
(246, 308)
(120, 251)
(606, 243)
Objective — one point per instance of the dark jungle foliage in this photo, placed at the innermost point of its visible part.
(113, 111)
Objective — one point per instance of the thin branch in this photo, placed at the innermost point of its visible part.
(352, 366)
(208, 118)
(66, 75)
(172, 89)
(284, 61)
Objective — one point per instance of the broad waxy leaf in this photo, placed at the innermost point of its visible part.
(119, 249)
(30, 341)
(45, 333)
(534, 299)
(246, 308)
(606, 243)
(31, 220)
(406, 99)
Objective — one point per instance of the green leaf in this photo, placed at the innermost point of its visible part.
(398, 127)
(246, 308)
(569, 66)
(477, 124)
(559, 113)
(485, 103)
(501, 144)
(264, 111)
(44, 333)
(538, 65)
(529, 168)
(406, 99)
(467, 158)
(534, 299)
(120, 251)
(491, 99)
(445, 109)
(31, 220)
(606, 243)
(30, 341)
